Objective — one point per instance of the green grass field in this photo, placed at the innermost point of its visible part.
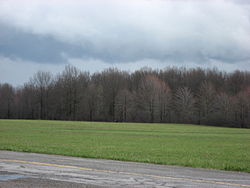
(172, 144)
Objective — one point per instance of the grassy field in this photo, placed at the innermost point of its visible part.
(173, 144)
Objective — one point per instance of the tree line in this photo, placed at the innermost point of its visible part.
(172, 95)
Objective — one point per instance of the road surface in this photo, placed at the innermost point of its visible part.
(19, 169)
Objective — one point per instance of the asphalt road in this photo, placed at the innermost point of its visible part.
(19, 169)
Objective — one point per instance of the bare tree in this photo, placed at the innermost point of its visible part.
(202, 96)
(6, 100)
(206, 102)
(235, 81)
(149, 99)
(28, 107)
(41, 82)
(184, 105)
(68, 83)
(242, 108)
(111, 81)
(164, 101)
(123, 105)
(224, 109)
(93, 101)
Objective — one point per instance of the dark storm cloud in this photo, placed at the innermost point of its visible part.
(132, 33)
(18, 44)
(178, 31)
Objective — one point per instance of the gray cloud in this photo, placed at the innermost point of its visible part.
(129, 31)
(18, 44)
(15, 43)
(115, 32)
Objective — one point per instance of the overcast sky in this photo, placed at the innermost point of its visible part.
(129, 34)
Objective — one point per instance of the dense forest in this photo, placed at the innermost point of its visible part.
(172, 95)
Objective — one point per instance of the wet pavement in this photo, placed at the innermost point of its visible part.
(19, 169)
